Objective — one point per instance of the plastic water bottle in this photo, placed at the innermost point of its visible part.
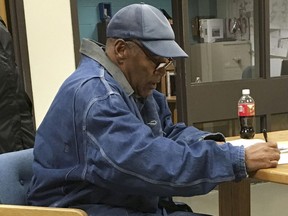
(246, 114)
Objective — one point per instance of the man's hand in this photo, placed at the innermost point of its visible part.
(261, 155)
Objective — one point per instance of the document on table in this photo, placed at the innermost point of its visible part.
(282, 145)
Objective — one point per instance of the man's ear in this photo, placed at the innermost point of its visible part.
(120, 50)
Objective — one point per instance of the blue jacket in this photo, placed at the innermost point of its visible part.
(100, 145)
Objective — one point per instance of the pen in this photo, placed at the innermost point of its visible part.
(265, 135)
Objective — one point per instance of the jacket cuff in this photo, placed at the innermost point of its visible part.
(241, 171)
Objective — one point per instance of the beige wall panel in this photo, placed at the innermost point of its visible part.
(51, 49)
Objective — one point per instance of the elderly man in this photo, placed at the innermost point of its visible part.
(107, 144)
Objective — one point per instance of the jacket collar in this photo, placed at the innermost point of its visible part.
(91, 49)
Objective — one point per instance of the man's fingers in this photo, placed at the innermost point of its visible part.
(274, 163)
(272, 144)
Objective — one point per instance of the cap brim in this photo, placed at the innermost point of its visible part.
(164, 48)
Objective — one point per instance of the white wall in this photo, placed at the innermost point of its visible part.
(51, 49)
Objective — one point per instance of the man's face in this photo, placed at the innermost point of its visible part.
(142, 69)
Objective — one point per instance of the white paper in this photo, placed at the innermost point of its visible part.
(245, 142)
(275, 33)
(284, 33)
(278, 18)
(279, 52)
(274, 43)
(282, 146)
(282, 43)
(275, 67)
(283, 158)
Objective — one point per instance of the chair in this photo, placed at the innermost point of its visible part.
(15, 176)
(249, 72)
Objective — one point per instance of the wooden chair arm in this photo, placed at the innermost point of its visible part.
(16, 210)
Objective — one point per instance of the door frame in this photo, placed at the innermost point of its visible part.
(217, 101)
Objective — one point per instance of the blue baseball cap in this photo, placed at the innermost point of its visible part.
(148, 25)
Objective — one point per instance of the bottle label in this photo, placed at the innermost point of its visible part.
(246, 109)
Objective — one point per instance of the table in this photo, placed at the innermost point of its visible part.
(234, 198)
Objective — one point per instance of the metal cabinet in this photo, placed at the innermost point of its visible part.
(220, 61)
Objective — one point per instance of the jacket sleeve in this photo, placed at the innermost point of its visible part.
(122, 153)
(172, 131)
